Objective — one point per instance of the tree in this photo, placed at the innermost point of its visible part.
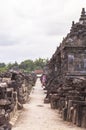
(2, 65)
(40, 63)
(27, 65)
(12, 65)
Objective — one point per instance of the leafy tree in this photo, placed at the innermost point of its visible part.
(30, 65)
(39, 63)
(27, 65)
(12, 65)
(2, 65)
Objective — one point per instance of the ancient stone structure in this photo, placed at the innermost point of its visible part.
(15, 88)
(66, 85)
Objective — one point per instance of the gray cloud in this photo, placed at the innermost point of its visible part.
(34, 28)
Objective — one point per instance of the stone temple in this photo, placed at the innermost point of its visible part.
(66, 84)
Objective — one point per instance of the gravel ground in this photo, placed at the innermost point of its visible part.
(39, 116)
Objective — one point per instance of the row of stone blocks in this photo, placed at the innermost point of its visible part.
(15, 89)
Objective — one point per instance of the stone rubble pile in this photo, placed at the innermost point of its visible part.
(15, 88)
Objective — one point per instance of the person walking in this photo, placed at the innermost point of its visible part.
(43, 80)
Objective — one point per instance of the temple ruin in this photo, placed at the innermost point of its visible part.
(66, 78)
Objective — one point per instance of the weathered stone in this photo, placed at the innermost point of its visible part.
(15, 88)
(66, 75)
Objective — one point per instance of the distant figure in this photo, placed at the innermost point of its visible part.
(43, 80)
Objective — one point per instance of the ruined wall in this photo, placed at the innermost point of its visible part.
(15, 89)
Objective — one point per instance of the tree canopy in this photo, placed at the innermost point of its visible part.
(26, 65)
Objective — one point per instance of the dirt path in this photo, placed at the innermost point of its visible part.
(39, 116)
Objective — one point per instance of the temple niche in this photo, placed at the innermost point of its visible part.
(73, 47)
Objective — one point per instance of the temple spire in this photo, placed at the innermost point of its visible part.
(82, 19)
(73, 23)
(83, 12)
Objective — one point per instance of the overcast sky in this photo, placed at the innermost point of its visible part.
(30, 29)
